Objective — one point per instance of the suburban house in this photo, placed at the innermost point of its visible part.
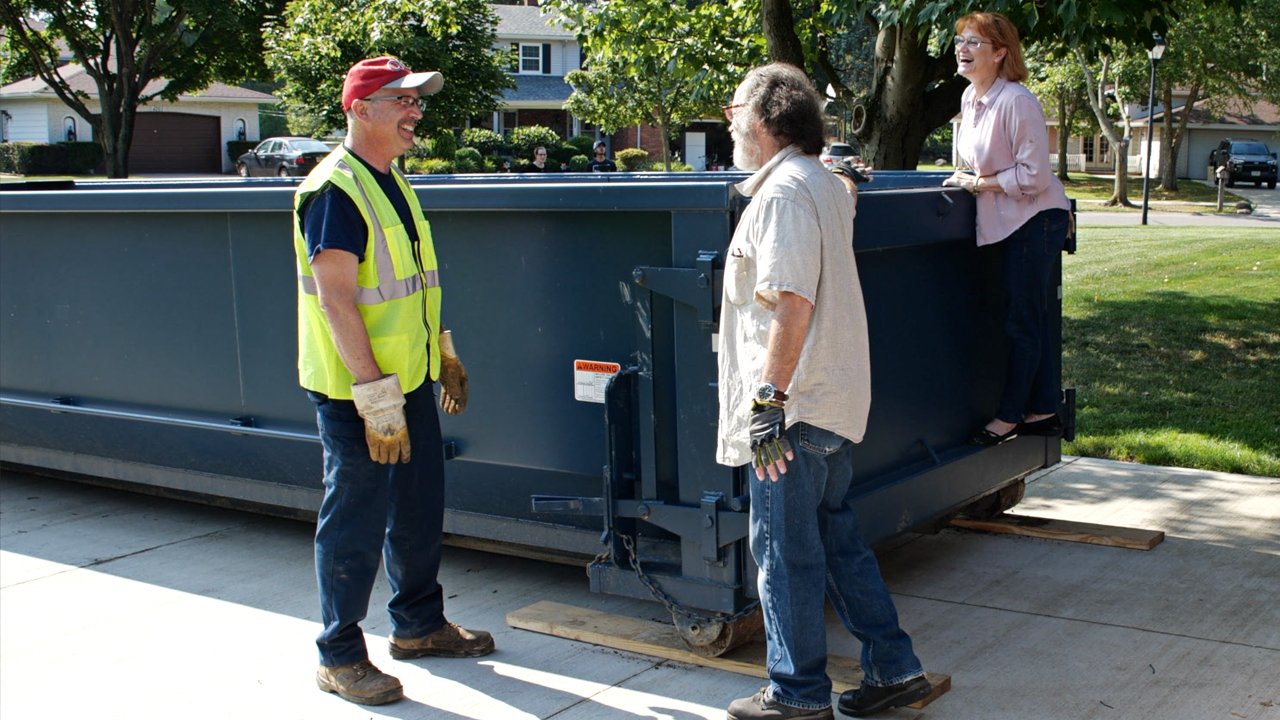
(188, 135)
(546, 52)
(1252, 120)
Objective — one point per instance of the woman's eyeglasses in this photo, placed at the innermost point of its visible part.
(972, 43)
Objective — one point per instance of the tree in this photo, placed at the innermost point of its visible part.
(658, 62)
(1219, 55)
(313, 45)
(1102, 87)
(913, 87)
(1060, 85)
(135, 51)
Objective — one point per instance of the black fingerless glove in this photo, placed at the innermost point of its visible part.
(767, 430)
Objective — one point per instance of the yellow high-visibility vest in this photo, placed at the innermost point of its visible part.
(399, 302)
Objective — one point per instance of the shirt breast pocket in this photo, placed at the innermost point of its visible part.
(739, 276)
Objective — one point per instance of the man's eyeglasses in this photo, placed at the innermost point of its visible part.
(404, 101)
(972, 43)
(728, 110)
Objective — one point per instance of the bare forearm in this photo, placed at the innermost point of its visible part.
(351, 338)
(787, 332)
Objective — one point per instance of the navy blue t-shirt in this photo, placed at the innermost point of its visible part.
(330, 219)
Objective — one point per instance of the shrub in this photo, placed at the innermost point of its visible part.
(583, 144)
(657, 166)
(578, 163)
(429, 166)
(561, 154)
(486, 141)
(27, 158)
(443, 146)
(524, 139)
(236, 148)
(631, 159)
(83, 157)
(467, 154)
(421, 149)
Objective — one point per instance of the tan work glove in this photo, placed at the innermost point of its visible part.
(381, 405)
(453, 377)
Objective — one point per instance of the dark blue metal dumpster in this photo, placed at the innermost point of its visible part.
(147, 336)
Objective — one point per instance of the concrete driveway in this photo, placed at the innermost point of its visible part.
(114, 605)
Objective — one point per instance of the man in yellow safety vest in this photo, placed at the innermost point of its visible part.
(370, 346)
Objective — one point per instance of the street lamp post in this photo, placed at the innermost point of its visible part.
(1155, 53)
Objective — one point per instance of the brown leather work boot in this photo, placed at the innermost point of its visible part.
(360, 683)
(448, 641)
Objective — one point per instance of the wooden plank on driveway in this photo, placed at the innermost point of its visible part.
(657, 639)
(1069, 530)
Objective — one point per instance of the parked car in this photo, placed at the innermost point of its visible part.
(836, 152)
(283, 156)
(1246, 161)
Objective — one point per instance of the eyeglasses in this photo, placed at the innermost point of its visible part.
(972, 43)
(404, 101)
(728, 110)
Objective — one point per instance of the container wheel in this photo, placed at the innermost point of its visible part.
(997, 502)
(715, 638)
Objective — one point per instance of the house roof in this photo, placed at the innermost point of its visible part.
(79, 80)
(538, 90)
(522, 21)
(1238, 112)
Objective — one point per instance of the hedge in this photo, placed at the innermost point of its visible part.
(236, 148)
(64, 158)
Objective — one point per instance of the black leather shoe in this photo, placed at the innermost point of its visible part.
(986, 438)
(1048, 427)
(870, 699)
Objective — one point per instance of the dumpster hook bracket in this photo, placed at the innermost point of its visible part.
(698, 287)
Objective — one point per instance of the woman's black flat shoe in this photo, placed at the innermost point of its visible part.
(986, 438)
(1048, 427)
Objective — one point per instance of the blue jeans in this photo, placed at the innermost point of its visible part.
(375, 512)
(806, 539)
(1032, 375)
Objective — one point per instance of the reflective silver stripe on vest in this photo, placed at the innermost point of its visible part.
(389, 286)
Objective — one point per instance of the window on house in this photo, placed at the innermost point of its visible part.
(1088, 149)
(1104, 148)
(508, 121)
(531, 58)
(69, 129)
(242, 132)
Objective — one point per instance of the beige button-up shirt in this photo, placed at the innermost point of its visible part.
(795, 236)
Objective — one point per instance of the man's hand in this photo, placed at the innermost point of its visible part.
(856, 173)
(454, 387)
(769, 444)
(381, 406)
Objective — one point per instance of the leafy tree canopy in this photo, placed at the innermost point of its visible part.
(316, 41)
(125, 44)
(658, 62)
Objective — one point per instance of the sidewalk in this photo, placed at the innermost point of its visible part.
(115, 605)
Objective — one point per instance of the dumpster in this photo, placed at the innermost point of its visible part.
(147, 338)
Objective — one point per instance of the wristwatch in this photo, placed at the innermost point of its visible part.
(766, 392)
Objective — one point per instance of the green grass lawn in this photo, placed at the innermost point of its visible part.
(1171, 337)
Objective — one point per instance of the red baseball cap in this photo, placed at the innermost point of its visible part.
(368, 76)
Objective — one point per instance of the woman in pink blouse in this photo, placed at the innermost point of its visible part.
(1021, 206)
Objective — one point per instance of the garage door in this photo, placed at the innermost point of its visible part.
(175, 143)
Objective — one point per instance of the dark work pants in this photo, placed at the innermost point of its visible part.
(371, 512)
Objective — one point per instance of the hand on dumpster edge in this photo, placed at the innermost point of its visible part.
(454, 386)
(380, 404)
(769, 445)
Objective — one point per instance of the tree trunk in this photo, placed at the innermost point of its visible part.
(780, 32)
(896, 119)
(1097, 93)
(1173, 136)
(1064, 134)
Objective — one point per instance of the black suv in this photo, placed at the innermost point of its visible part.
(1246, 161)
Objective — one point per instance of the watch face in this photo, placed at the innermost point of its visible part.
(765, 392)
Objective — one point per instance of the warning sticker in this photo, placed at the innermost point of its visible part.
(590, 378)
